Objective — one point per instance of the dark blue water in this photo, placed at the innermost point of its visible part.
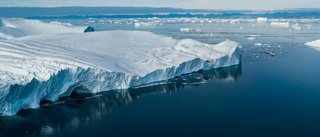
(278, 97)
(263, 96)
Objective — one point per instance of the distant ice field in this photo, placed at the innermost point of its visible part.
(261, 33)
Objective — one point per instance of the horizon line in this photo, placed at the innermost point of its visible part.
(160, 8)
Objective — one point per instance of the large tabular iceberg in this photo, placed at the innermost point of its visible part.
(49, 66)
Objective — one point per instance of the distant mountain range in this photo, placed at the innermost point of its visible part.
(145, 12)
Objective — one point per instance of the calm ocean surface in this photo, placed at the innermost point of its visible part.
(263, 96)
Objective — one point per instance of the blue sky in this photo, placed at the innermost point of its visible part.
(188, 4)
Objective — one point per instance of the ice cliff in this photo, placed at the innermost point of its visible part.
(51, 65)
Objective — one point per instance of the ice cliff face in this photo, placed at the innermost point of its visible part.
(51, 65)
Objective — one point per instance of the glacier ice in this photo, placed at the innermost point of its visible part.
(53, 65)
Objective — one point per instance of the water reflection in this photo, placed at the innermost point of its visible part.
(74, 111)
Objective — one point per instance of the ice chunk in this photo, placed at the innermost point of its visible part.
(144, 24)
(314, 44)
(262, 20)
(251, 38)
(186, 29)
(296, 26)
(280, 24)
(235, 21)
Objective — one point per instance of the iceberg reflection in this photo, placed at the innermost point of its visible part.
(70, 113)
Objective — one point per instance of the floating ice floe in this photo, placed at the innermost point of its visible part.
(262, 20)
(280, 24)
(314, 44)
(144, 24)
(54, 65)
(251, 38)
(236, 21)
(186, 29)
(296, 26)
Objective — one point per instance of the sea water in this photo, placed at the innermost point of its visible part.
(263, 96)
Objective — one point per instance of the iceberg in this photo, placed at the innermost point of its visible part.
(280, 24)
(296, 26)
(50, 66)
(314, 44)
(262, 20)
(144, 24)
(236, 21)
(186, 29)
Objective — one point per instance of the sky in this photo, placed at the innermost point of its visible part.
(186, 4)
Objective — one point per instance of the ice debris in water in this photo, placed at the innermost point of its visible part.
(186, 29)
(296, 26)
(280, 24)
(262, 20)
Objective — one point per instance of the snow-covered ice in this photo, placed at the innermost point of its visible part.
(144, 24)
(262, 20)
(186, 29)
(235, 21)
(314, 44)
(280, 24)
(50, 65)
(296, 26)
(251, 38)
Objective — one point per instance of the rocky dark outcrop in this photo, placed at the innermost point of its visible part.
(89, 29)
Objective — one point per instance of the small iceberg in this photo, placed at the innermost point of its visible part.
(186, 29)
(262, 20)
(280, 24)
(314, 44)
